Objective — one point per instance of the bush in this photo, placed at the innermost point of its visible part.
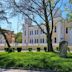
(6, 49)
(45, 49)
(9, 49)
(29, 49)
(57, 48)
(19, 49)
(38, 49)
(68, 49)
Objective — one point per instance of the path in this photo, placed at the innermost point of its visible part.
(18, 70)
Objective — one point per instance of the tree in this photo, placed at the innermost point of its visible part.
(43, 9)
(3, 18)
(68, 9)
(18, 37)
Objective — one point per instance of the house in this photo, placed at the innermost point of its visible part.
(10, 37)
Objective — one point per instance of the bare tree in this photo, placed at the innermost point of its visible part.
(3, 18)
(43, 9)
(69, 10)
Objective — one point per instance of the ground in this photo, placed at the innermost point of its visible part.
(36, 61)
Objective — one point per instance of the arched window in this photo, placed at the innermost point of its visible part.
(55, 29)
(66, 30)
(43, 40)
(55, 40)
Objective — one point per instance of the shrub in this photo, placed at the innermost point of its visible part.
(29, 49)
(57, 48)
(13, 49)
(45, 49)
(6, 49)
(19, 49)
(9, 49)
(68, 49)
(38, 49)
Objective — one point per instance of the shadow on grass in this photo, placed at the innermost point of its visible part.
(69, 56)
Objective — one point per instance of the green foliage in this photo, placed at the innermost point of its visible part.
(57, 48)
(68, 49)
(36, 60)
(9, 49)
(69, 10)
(70, 1)
(45, 49)
(70, 17)
(38, 49)
(29, 49)
(19, 49)
(19, 37)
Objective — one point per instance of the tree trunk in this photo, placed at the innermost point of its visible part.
(49, 40)
(6, 40)
(5, 37)
(49, 44)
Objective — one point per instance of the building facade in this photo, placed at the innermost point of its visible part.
(34, 37)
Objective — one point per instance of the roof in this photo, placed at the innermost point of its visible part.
(7, 30)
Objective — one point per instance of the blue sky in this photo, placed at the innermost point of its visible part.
(17, 22)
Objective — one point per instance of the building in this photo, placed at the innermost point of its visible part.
(10, 37)
(33, 36)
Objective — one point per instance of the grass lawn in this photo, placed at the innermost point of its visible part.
(36, 61)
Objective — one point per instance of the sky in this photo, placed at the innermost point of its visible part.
(17, 22)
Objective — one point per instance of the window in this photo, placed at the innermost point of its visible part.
(66, 30)
(55, 29)
(31, 40)
(32, 32)
(42, 40)
(37, 40)
(36, 32)
(55, 40)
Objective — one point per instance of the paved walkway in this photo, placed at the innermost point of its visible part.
(18, 70)
(11, 70)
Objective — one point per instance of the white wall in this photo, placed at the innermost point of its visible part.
(60, 32)
(70, 36)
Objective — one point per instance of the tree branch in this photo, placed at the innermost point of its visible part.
(51, 17)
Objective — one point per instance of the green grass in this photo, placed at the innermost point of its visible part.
(36, 61)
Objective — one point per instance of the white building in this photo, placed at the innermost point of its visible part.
(34, 37)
